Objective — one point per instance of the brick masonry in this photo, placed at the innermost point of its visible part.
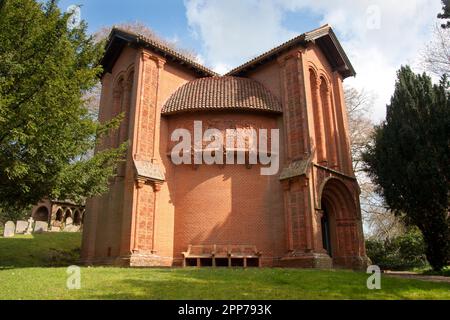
(144, 221)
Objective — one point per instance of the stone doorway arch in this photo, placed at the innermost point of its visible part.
(68, 214)
(59, 215)
(326, 230)
(77, 218)
(341, 224)
(42, 214)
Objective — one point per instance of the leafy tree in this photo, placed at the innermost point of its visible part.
(409, 159)
(13, 214)
(46, 131)
(445, 13)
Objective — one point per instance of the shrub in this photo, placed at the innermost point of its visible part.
(400, 253)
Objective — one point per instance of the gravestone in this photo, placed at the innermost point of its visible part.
(10, 227)
(68, 225)
(30, 226)
(72, 228)
(69, 221)
(21, 227)
(40, 227)
(56, 226)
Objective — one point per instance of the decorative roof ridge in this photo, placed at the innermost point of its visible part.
(154, 44)
(250, 95)
(318, 34)
(306, 37)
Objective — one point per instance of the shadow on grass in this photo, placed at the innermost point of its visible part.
(40, 250)
(181, 284)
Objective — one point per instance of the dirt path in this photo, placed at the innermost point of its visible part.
(417, 276)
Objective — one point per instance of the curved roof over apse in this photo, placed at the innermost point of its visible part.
(222, 94)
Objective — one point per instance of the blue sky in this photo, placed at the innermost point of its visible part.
(378, 35)
(168, 18)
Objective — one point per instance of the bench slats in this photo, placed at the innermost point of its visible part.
(221, 251)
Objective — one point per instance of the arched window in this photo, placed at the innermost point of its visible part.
(123, 132)
(328, 118)
(318, 118)
(118, 97)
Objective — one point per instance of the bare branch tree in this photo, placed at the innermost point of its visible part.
(379, 220)
(93, 97)
(359, 104)
(140, 28)
(435, 58)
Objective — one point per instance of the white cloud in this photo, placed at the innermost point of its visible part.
(233, 31)
(378, 35)
(221, 68)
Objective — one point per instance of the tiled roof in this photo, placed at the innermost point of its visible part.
(324, 38)
(119, 38)
(222, 93)
(296, 169)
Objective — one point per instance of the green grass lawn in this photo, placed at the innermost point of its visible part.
(40, 250)
(31, 268)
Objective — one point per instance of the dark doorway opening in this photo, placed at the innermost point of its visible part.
(59, 215)
(41, 214)
(221, 262)
(77, 218)
(326, 235)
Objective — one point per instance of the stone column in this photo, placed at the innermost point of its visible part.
(294, 106)
(337, 131)
(144, 150)
(342, 120)
(330, 128)
(118, 95)
(321, 148)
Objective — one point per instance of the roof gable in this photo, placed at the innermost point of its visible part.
(118, 39)
(323, 37)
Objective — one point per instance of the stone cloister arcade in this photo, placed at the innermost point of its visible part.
(57, 213)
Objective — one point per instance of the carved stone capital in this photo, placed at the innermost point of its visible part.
(140, 183)
(157, 185)
(286, 184)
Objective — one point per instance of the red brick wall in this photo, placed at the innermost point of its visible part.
(229, 204)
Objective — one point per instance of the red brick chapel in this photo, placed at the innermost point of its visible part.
(157, 213)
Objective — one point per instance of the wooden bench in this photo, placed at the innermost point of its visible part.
(221, 252)
(198, 252)
(244, 252)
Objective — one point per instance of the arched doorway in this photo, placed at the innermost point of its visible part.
(77, 218)
(340, 224)
(67, 215)
(59, 215)
(326, 231)
(41, 214)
